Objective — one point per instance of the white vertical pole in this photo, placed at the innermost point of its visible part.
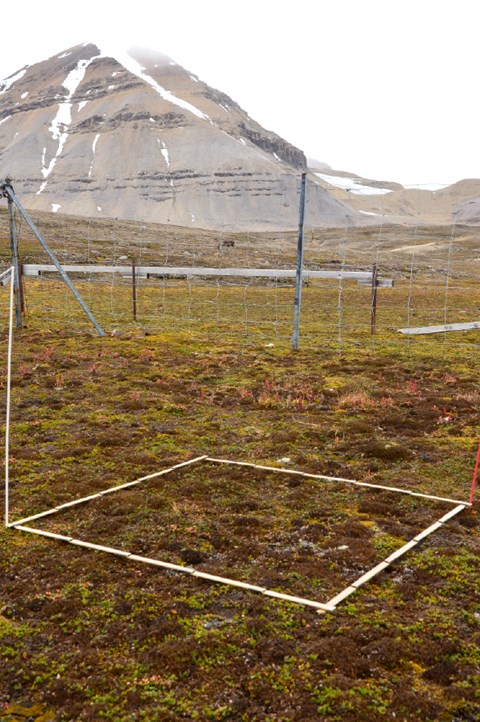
(9, 375)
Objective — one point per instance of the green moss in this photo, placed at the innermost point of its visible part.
(97, 635)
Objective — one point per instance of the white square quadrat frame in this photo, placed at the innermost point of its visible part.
(321, 607)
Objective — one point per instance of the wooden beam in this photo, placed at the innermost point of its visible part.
(417, 330)
(362, 277)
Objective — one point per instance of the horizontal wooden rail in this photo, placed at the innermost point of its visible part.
(362, 277)
(6, 277)
(418, 330)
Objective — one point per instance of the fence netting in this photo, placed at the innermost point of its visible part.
(361, 285)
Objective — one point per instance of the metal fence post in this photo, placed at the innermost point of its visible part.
(16, 275)
(134, 289)
(373, 320)
(297, 304)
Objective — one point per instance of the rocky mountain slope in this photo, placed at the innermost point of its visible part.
(388, 202)
(138, 137)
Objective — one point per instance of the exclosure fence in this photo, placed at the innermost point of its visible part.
(395, 284)
(256, 300)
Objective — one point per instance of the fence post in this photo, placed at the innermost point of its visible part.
(21, 287)
(297, 304)
(373, 319)
(134, 290)
(16, 275)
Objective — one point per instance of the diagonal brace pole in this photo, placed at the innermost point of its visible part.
(9, 192)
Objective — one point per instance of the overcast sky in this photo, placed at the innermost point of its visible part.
(387, 89)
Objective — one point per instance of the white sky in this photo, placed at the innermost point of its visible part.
(387, 89)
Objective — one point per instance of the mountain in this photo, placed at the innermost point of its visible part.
(135, 136)
(389, 202)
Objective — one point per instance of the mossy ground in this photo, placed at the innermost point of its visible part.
(208, 369)
(86, 636)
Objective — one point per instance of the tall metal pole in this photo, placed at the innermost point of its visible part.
(373, 320)
(134, 289)
(16, 275)
(8, 191)
(297, 304)
(21, 287)
(9, 391)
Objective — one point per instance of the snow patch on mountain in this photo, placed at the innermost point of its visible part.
(134, 67)
(94, 145)
(8, 82)
(427, 186)
(353, 185)
(164, 152)
(62, 120)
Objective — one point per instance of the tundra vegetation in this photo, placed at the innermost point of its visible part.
(88, 636)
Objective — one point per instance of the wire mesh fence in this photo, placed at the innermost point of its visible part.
(240, 286)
